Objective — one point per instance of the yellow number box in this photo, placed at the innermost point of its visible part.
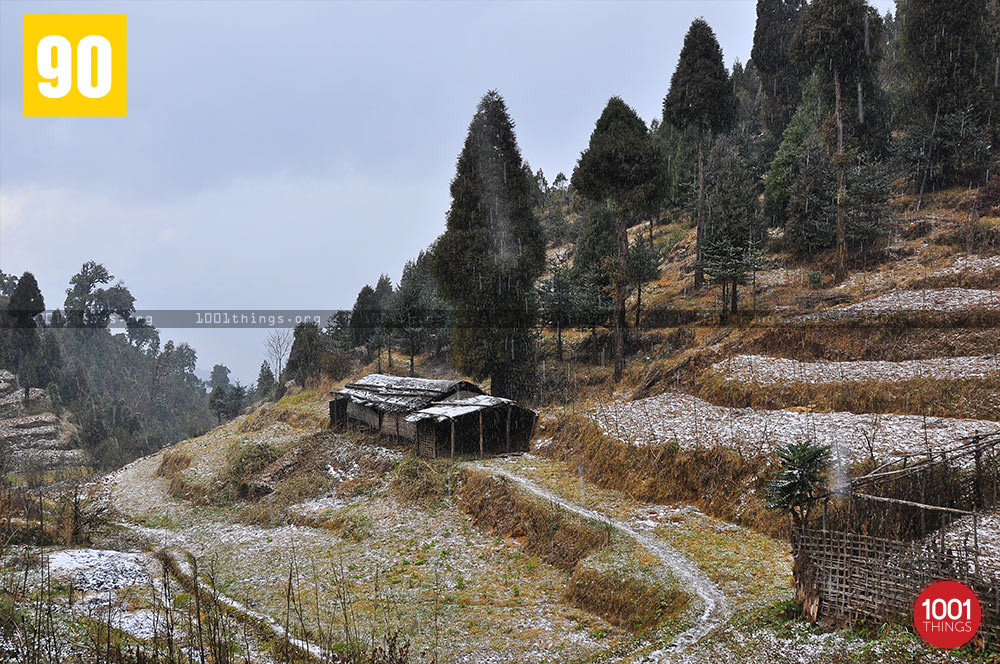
(75, 65)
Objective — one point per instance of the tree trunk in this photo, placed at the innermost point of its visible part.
(620, 295)
(733, 308)
(841, 253)
(699, 271)
(411, 361)
(559, 347)
(638, 304)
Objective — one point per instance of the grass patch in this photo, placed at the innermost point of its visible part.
(419, 480)
(548, 531)
(716, 479)
(973, 398)
(627, 589)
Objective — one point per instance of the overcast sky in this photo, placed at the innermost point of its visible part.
(282, 155)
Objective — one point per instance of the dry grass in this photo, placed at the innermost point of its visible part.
(558, 538)
(716, 479)
(420, 480)
(627, 589)
(971, 398)
(171, 468)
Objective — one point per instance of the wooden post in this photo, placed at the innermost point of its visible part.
(480, 434)
(508, 429)
(452, 440)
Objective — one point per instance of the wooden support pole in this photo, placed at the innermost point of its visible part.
(480, 434)
(453, 440)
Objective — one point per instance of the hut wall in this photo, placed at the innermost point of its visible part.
(338, 411)
(395, 424)
(364, 414)
(426, 440)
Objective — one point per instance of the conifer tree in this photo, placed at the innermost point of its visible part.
(25, 303)
(265, 381)
(558, 298)
(700, 96)
(486, 262)
(734, 229)
(363, 316)
(836, 36)
(952, 68)
(780, 77)
(620, 168)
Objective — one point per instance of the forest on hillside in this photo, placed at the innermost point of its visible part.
(836, 109)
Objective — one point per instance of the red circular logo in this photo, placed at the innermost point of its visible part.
(947, 614)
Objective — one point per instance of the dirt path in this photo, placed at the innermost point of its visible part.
(715, 608)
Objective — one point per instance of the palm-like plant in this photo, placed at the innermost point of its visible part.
(796, 488)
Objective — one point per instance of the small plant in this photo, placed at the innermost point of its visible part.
(816, 279)
(798, 485)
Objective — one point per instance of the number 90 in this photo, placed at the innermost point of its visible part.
(92, 82)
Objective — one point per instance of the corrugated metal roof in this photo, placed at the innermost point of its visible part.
(450, 408)
(401, 393)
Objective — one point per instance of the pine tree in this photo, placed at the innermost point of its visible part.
(951, 64)
(733, 228)
(701, 96)
(382, 338)
(304, 356)
(643, 267)
(364, 316)
(840, 37)
(265, 381)
(219, 376)
(811, 203)
(621, 167)
(25, 303)
(487, 260)
(784, 168)
(558, 297)
(780, 77)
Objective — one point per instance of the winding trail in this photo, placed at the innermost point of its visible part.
(715, 607)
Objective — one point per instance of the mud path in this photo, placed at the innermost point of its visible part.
(715, 609)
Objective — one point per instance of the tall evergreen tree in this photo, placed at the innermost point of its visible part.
(700, 96)
(558, 297)
(950, 63)
(490, 254)
(265, 381)
(620, 168)
(304, 357)
(364, 316)
(219, 376)
(734, 229)
(840, 37)
(25, 303)
(780, 77)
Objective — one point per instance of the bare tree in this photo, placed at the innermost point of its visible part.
(278, 343)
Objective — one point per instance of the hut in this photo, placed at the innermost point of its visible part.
(443, 417)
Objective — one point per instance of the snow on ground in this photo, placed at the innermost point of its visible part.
(97, 569)
(766, 370)
(971, 266)
(692, 422)
(987, 531)
(940, 300)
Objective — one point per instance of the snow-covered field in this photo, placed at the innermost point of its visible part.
(986, 534)
(692, 422)
(940, 300)
(766, 370)
(98, 569)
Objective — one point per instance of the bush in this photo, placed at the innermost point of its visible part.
(244, 461)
